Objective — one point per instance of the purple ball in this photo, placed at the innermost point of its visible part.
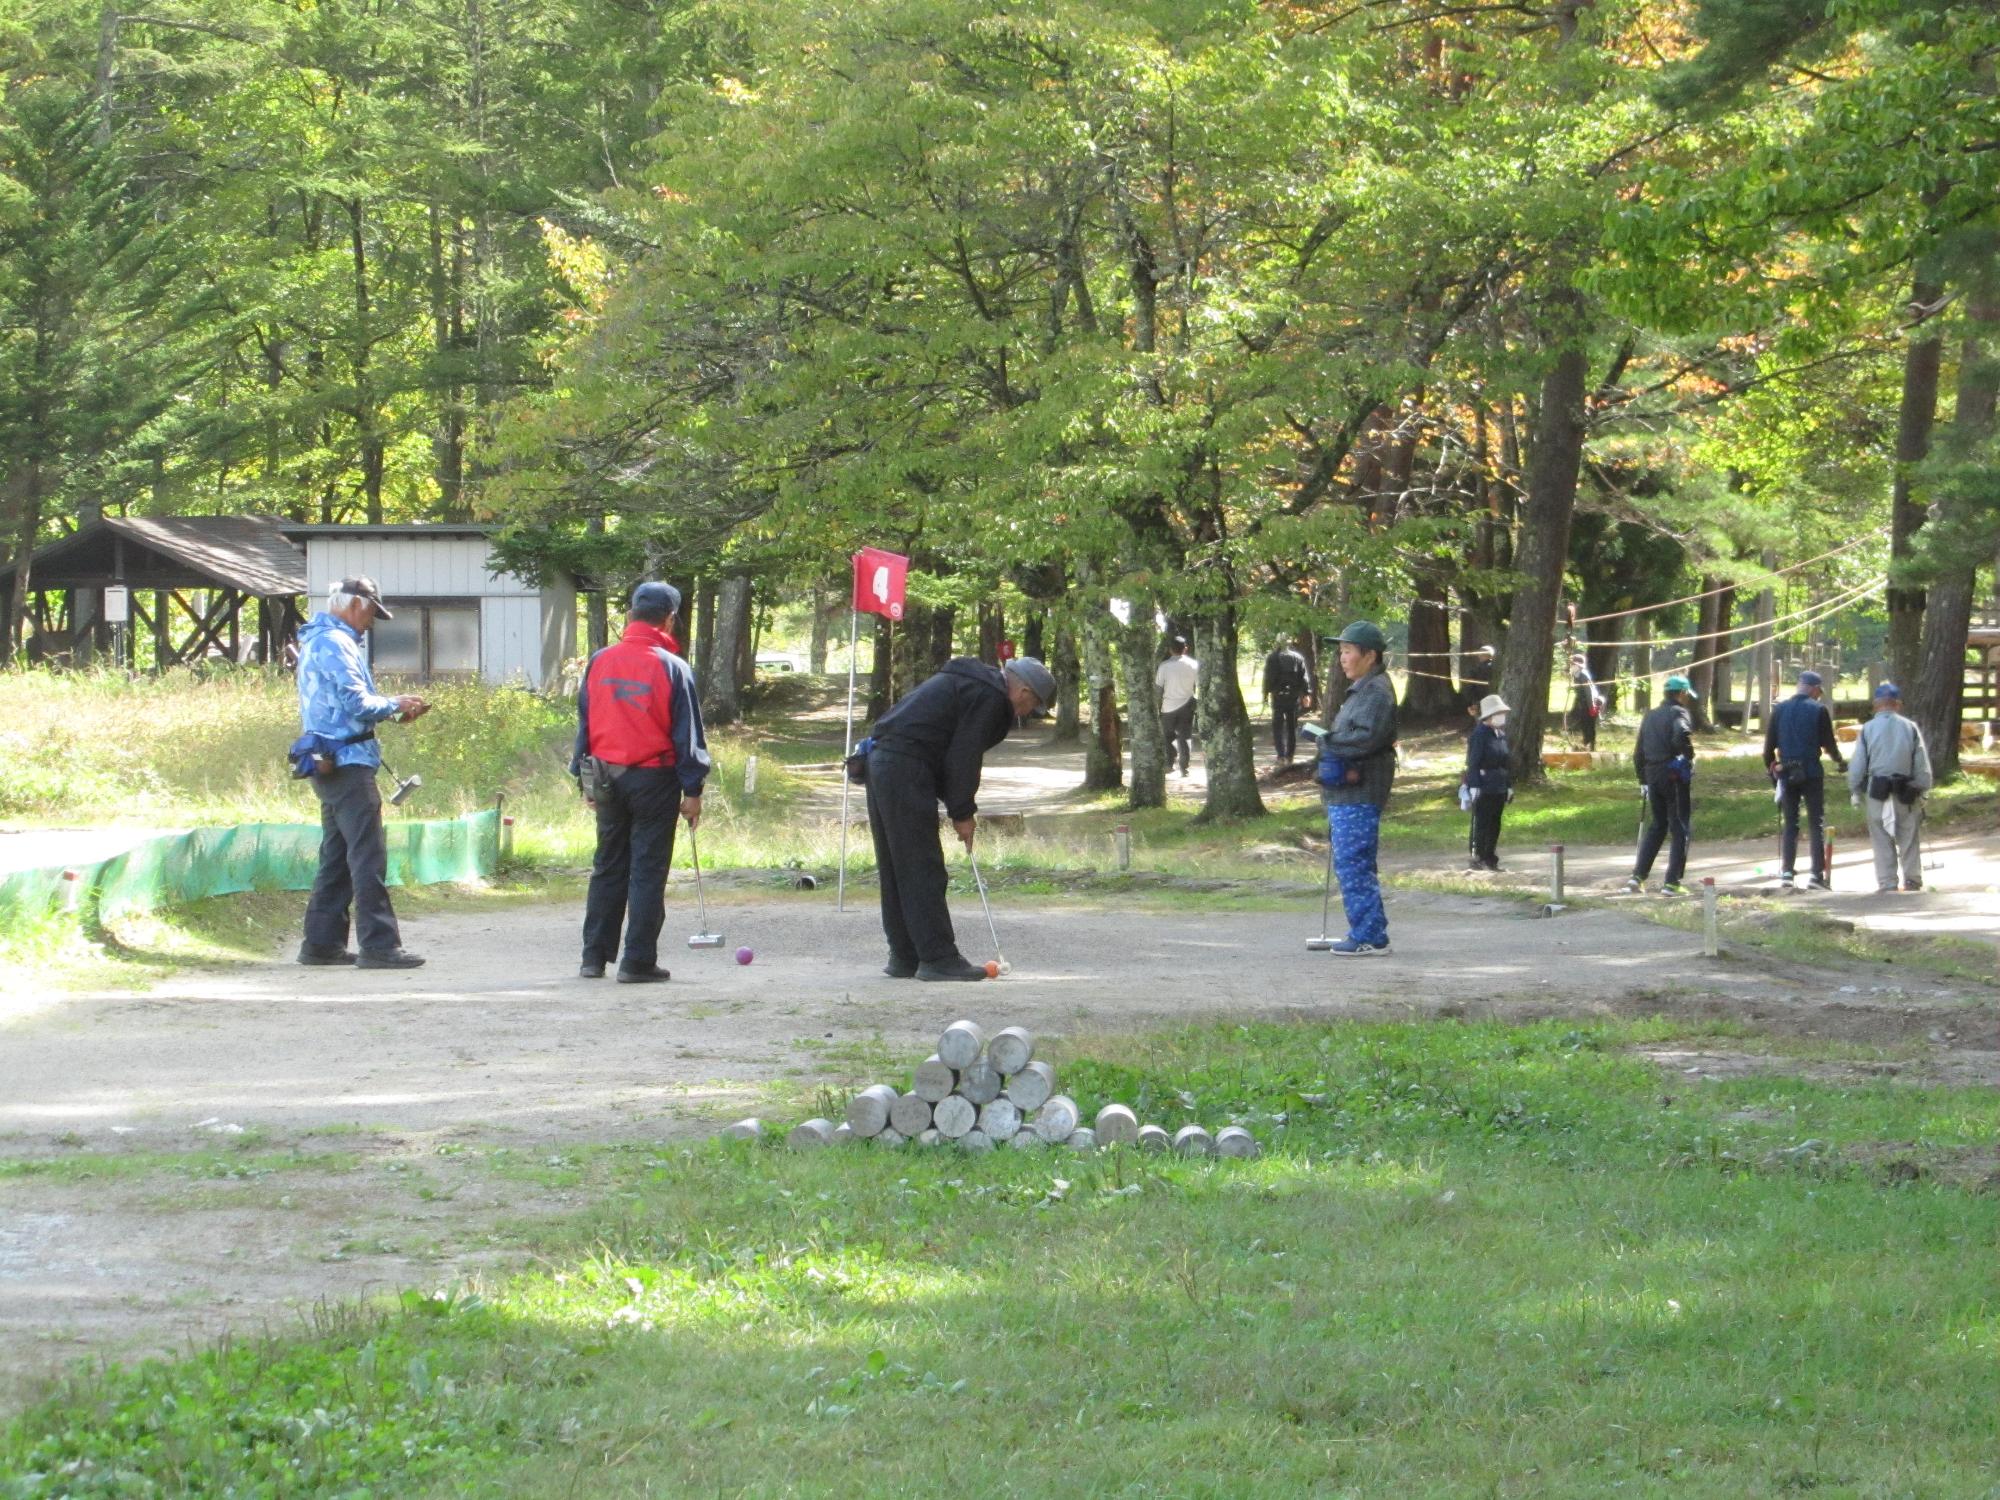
(744, 955)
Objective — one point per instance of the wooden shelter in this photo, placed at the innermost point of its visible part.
(180, 582)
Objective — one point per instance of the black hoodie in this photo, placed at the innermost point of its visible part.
(949, 722)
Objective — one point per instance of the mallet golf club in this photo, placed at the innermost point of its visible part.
(403, 788)
(999, 959)
(1324, 943)
(703, 938)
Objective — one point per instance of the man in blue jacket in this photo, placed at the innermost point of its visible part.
(338, 711)
(1800, 728)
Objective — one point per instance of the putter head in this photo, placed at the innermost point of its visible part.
(404, 788)
(705, 940)
(1319, 945)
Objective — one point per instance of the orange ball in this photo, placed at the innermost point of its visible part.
(992, 968)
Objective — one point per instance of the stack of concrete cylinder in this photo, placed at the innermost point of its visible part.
(977, 1093)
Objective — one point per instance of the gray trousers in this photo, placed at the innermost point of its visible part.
(353, 864)
(1893, 828)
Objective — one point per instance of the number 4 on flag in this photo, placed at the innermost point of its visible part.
(879, 579)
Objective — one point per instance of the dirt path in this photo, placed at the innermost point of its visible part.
(377, 1102)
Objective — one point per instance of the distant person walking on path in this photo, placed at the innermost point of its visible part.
(1287, 688)
(1586, 702)
(1800, 728)
(1664, 759)
(1891, 768)
(1177, 678)
(1475, 681)
(642, 760)
(1488, 782)
(1357, 765)
(338, 711)
(930, 748)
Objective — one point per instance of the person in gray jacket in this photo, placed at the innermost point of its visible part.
(1357, 765)
(1891, 769)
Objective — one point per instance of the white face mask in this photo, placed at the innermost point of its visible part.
(1498, 721)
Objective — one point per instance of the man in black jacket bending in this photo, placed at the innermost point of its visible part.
(929, 749)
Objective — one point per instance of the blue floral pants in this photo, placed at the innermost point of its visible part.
(1356, 831)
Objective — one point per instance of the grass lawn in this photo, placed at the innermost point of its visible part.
(1476, 1260)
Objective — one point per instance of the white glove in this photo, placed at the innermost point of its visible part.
(1854, 798)
(1474, 797)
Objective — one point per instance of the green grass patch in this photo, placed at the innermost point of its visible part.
(1476, 1260)
(1770, 926)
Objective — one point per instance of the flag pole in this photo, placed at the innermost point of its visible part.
(853, 645)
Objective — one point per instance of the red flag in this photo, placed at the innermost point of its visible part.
(878, 582)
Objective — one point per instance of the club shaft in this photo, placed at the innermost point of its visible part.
(694, 858)
(984, 904)
(1326, 900)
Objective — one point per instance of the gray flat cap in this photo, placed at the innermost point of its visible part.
(1040, 680)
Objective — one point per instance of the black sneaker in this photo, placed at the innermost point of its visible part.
(590, 968)
(388, 958)
(900, 968)
(651, 974)
(323, 955)
(1819, 883)
(951, 968)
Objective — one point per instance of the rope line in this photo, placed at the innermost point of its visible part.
(1642, 609)
(1839, 602)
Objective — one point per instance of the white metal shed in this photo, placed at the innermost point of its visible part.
(454, 616)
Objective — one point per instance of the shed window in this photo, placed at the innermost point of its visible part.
(428, 640)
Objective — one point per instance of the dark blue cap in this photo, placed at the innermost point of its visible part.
(1809, 679)
(653, 597)
(1887, 690)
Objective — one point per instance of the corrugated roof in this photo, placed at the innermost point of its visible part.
(247, 553)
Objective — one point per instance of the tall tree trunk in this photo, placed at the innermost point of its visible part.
(1103, 751)
(721, 692)
(1709, 640)
(367, 420)
(1138, 659)
(448, 437)
(1550, 504)
(1066, 667)
(1915, 419)
(1430, 698)
(704, 630)
(992, 630)
(944, 631)
(1228, 748)
(1958, 520)
(822, 615)
(881, 674)
(746, 638)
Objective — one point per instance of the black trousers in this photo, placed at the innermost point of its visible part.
(353, 865)
(1583, 723)
(628, 876)
(909, 859)
(1178, 726)
(1285, 726)
(1486, 814)
(1671, 804)
(1812, 792)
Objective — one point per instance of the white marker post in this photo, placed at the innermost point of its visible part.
(879, 579)
(1710, 946)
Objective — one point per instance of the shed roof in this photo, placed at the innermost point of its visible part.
(247, 553)
(394, 528)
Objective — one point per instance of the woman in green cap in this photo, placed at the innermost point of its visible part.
(1664, 759)
(1357, 764)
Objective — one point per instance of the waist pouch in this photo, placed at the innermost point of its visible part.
(857, 763)
(313, 754)
(1882, 788)
(1794, 772)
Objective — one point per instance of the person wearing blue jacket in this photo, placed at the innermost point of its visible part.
(338, 711)
(1800, 728)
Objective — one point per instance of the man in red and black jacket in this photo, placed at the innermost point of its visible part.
(641, 759)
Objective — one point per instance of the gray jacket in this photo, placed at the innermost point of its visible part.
(1364, 735)
(1890, 745)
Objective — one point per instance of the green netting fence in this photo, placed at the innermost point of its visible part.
(204, 862)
